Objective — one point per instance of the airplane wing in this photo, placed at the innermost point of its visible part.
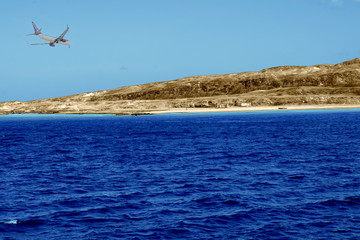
(62, 35)
(48, 43)
(39, 43)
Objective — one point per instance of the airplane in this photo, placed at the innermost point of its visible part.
(51, 40)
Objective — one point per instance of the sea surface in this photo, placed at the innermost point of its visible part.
(249, 175)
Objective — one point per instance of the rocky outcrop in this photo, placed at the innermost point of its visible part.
(295, 85)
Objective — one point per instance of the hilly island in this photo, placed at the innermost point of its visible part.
(285, 87)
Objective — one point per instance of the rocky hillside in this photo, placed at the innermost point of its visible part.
(346, 74)
(319, 84)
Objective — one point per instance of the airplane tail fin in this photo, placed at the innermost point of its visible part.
(36, 30)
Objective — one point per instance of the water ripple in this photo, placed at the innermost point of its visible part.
(286, 175)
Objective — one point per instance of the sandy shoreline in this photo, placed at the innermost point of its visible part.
(136, 112)
(249, 109)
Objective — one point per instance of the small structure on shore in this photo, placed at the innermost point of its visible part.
(245, 104)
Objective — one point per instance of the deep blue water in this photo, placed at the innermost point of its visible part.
(255, 175)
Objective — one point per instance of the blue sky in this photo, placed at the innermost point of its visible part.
(128, 42)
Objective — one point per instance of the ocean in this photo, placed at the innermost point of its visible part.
(248, 175)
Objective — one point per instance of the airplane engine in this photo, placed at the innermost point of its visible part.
(52, 44)
(63, 40)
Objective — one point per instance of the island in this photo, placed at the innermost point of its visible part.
(277, 88)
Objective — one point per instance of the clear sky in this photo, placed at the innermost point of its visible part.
(128, 42)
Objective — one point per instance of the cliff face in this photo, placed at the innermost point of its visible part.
(319, 84)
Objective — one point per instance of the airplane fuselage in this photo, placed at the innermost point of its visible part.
(52, 39)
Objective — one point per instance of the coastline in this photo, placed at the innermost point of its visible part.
(138, 112)
(254, 109)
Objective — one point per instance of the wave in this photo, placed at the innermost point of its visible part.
(28, 222)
